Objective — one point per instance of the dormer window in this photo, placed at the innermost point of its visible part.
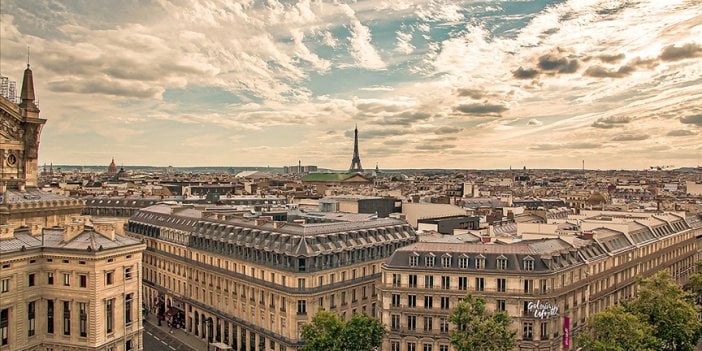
(480, 262)
(429, 260)
(414, 260)
(463, 262)
(528, 264)
(502, 263)
(446, 261)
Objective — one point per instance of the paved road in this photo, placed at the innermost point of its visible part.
(156, 339)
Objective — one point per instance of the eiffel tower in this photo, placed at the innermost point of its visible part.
(356, 161)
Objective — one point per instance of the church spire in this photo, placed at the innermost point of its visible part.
(27, 93)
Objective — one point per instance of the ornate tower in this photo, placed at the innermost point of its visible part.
(356, 160)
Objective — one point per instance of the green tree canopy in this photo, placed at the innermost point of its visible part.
(477, 329)
(615, 329)
(671, 311)
(328, 332)
(694, 286)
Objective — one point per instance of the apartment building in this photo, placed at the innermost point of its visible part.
(548, 286)
(253, 283)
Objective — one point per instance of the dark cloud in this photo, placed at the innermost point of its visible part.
(630, 137)
(611, 58)
(681, 132)
(554, 63)
(623, 71)
(395, 142)
(447, 130)
(602, 72)
(377, 133)
(559, 146)
(481, 109)
(522, 73)
(692, 119)
(611, 122)
(471, 93)
(674, 53)
(534, 122)
(103, 86)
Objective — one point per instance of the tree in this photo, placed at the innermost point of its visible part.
(694, 286)
(615, 329)
(328, 332)
(671, 311)
(477, 329)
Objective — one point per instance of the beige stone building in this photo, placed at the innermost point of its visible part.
(548, 286)
(252, 283)
(65, 283)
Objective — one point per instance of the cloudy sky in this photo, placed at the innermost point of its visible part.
(435, 83)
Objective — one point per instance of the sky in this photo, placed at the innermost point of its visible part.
(430, 83)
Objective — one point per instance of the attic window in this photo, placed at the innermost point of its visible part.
(528, 264)
(414, 259)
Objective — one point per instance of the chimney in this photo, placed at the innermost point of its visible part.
(588, 235)
(299, 221)
(279, 224)
(7, 231)
(105, 228)
(72, 230)
(485, 239)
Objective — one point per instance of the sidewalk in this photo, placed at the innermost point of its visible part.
(181, 335)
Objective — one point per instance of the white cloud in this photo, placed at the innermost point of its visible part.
(362, 49)
(404, 44)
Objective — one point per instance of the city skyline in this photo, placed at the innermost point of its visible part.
(431, 84)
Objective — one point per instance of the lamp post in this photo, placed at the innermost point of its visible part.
(209, 331)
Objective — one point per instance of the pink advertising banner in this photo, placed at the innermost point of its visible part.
(566, 333)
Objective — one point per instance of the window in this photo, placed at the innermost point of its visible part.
(301, 307)
(395, 322)
(479, 284)
(395, 346)
(413, 260)
(429, 281)
(31, 318)
(83, 318)
(544, 288)
(5, 285)
(109, 278)
(127, 273)
(110, 315)
(411, 322)
(443, 347)
(501, 284)
(446, 261)
(500, 305)
(427, 347)
(445, 282)
(445, 303)
(429, 260)
(50, 316)
(462, 283)
(502, 263)
(66, 279)
(128, 308)
(480, 262)
(544, 330)
(4, 327)
(444, 325)
(428, 323)
(528, 331)
(528, 286)
(412, 300)
(129, 345)
(396, 280)
(83, 280)
(412, 280)
(300, 283)
(411, 346)
(528, 264)
(463, 262)
(428, 302)
(30, 280)
(395, 300)
(66, 318)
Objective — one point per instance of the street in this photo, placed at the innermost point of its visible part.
(156, 339)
